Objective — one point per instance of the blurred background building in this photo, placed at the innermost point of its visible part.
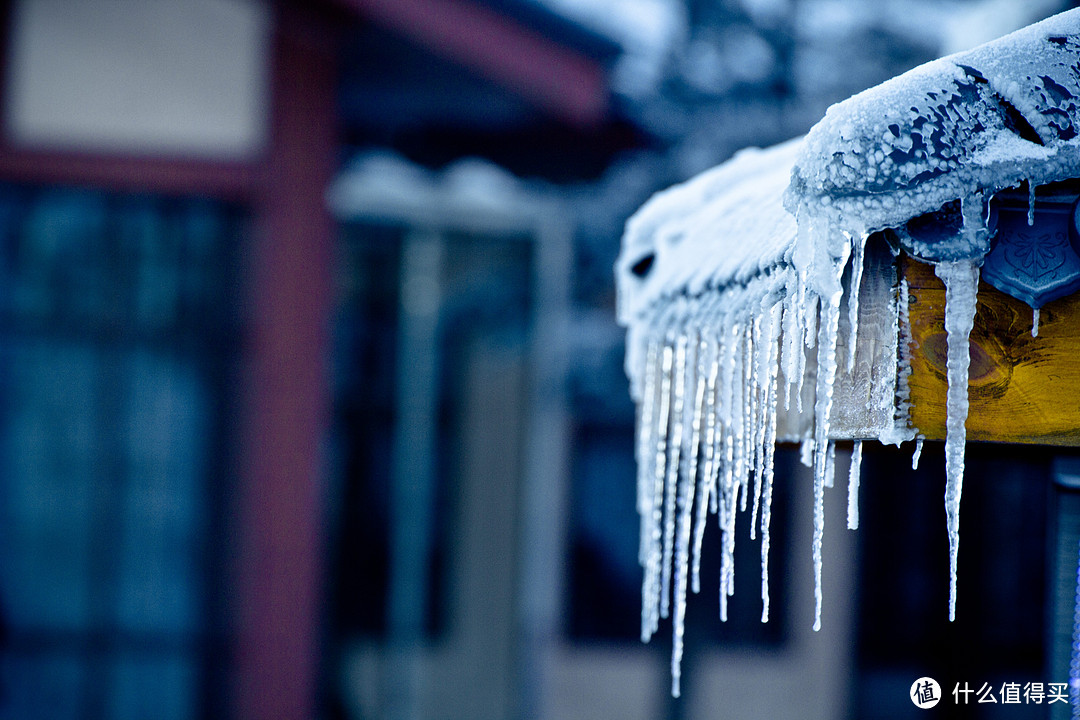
(311, 393)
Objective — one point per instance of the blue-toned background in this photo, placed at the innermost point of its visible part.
(311, 392)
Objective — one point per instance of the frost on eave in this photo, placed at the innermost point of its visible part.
(724, 228)
(740, 292)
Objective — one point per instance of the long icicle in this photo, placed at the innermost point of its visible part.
(747, 430)
(671, 483)
(828, 323)
(732, 479)
(685, 509)
(707, 486)
(769, 444)
(822, 408)
(646, 484)
(682, 542)
(652, 568)
(961, 280)
(758, 426)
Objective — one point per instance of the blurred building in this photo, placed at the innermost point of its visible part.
(311, 401)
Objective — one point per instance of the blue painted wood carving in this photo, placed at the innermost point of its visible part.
(1036, 263)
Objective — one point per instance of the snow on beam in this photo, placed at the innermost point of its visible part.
(991, 118)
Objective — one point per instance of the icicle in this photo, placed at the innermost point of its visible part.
(646, 484)
(651, 584)
(859, 247)
(746, 430)
(822, 407)
(853, 486)
(645, 444)
(727, 561)
(961, 280)
(766, 372)
(807, 324)
(917, 454)
(806, 452)
(682, 542)
(1031, 203)
(812, 313)
(692, 451)
(729, 490)
(732, 412)
(707, 487)
(757, 427)
(672, 481)
(695, 410)
(792, 344)
(1035, 322)
(716, 449)
(769, 443)
(830, 465)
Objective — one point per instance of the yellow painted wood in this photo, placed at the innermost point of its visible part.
(1022, 389)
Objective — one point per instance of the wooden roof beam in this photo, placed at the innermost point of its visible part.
(560, 81)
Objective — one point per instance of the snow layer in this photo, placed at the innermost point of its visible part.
(986, 119)
(725, 294)
(679, 229)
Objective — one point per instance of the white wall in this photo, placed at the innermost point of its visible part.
(139, 76)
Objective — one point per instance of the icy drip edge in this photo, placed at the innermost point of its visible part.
(707, 415)
(711, 383)
(961, 280)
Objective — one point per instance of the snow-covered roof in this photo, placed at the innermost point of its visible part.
(982, 120)
(472, 193)
(673, 246)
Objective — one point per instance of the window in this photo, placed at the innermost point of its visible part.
(116, 329)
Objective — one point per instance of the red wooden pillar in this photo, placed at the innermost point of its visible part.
(285, 410)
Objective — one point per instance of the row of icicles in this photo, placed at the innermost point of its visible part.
(715, 369)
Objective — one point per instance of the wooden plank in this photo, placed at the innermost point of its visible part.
(863, 399)
(1022, 389)
(227, 179)
(864, 393)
